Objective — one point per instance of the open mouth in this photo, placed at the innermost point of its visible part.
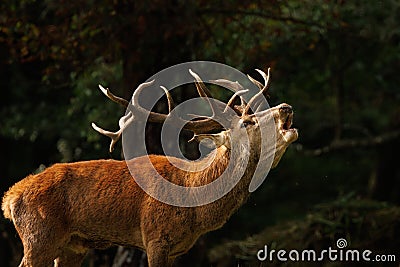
(288, 122)
(289, 134)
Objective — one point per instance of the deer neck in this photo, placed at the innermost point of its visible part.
(215, 214)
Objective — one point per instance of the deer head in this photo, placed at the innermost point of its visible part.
(249, 116)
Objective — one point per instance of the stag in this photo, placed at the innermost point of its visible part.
(70, 208)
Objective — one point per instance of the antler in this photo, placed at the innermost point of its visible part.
(124, 121)
(114, 98)
(239, 91)
(215, 107)
(263, 89)
(199, 126)
(135, 109)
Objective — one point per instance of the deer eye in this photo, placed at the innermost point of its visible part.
(247, 123)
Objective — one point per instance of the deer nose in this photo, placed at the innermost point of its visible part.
(286, 109)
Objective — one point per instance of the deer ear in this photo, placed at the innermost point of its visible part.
(213, 140)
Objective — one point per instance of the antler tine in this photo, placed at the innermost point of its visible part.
(262, 91)
(236, 87)
(113, 97)
(124, 121)
(266, 80)
(257, 83)
(205, 93)
(201, 88)
(153, 116)
(232, 99)
(171, 104)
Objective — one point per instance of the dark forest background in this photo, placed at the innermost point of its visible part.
(336, 62)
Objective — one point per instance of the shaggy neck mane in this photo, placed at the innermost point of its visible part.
(207, 170)
(215, 214)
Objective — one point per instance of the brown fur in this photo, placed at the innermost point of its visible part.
(69, 208)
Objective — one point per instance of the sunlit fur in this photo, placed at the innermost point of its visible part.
(69, 208)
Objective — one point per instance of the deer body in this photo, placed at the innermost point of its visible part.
(96, 204)
(70, 208)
